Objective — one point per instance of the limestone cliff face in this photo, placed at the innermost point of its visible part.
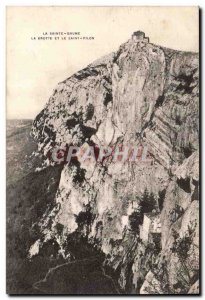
(142, 94)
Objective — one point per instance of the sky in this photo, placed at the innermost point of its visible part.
(34, 67)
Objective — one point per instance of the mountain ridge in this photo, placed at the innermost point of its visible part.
(142, 94)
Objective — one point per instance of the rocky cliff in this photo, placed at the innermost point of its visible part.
(143, 216)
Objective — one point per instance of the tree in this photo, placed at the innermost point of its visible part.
(148, 202)
(136, 219)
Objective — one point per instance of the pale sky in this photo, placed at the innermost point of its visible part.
(34, 67)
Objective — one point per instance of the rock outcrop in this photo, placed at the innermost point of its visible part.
(143, 94)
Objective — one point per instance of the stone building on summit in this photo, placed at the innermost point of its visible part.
(139, 36)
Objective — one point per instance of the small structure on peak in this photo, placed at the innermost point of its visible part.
(139, 36)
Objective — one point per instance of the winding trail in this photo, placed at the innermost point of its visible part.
(112, 280)
(53, 269)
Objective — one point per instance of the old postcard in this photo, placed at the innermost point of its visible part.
(103, 150)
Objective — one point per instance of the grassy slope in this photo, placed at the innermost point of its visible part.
(28, 196)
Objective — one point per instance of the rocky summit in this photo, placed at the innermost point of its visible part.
(142, 217)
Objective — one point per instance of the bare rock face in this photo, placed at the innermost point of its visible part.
(143, 94)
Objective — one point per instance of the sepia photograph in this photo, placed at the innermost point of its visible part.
(102, 150)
